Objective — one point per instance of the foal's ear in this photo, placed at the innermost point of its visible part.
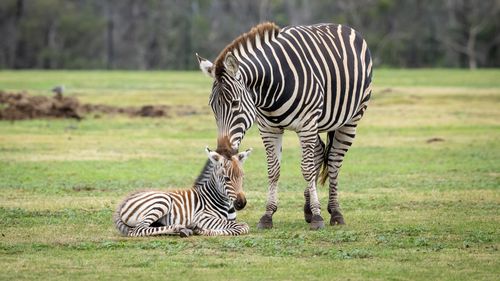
(242, 156)
(206, 66)
(212, 155)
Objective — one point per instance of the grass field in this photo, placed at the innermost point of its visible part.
(415, 210)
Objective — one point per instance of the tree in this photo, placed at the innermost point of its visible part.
(165, 34)
(468, 21)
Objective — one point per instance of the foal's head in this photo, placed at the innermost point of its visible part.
(228, 172)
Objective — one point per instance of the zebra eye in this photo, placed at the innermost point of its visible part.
(226, 178)
(235, 104)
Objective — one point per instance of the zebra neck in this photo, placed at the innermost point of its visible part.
(205, 173)
(210, 195)
(263, 78)
(206, 187)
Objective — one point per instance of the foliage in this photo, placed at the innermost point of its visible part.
(165, 34)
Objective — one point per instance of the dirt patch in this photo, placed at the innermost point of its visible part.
(19, 106)
(431, 140)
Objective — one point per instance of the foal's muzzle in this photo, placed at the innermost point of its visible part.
(240, 202)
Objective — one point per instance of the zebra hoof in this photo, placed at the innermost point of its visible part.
(316, 223)
(193, 226)
(336, 218)
(307, 213)
(185, 232)
(266, 222)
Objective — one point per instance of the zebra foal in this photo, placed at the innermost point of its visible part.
(205, 209)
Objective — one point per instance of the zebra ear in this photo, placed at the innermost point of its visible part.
(242, 156)
(206, 66)
(212, 155)
(231, 64)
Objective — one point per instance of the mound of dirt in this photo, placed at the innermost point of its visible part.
(19, 106)
(431, 140)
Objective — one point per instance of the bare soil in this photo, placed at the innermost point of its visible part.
(20, 106)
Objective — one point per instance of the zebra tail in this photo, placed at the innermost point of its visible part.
(119, 224)
(323, 175)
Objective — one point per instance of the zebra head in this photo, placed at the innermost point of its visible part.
(231, 101)
(229, 176)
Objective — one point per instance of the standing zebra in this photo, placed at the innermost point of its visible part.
(309, 79)
(204, 209)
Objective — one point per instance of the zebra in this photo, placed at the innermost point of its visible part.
(204, 209)
(310, 79)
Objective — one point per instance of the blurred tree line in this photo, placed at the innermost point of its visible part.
(165, 34)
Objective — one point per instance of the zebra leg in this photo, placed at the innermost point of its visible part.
(212, 226)
(231, 213)
(146, 230)
(340, 141)
(318, 157)
(308, 142)
(272, 142)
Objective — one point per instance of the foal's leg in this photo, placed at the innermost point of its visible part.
(145, 230)
(212, 226)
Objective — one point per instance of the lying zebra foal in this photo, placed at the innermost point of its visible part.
(203, 209)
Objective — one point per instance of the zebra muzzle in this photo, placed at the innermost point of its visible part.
(240, 202)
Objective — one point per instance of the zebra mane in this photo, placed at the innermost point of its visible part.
(224, 148)
(256, 31)
(204, 174)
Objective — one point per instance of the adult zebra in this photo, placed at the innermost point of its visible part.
(309, 79)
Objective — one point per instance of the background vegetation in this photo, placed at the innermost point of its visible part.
(165, 34)
(419, 188)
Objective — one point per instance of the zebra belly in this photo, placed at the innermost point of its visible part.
(331, 121)
(330, 118)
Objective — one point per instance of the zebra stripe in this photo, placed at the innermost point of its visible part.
(206, 209)
(309, 79)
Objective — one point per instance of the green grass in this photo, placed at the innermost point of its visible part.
(414, 210)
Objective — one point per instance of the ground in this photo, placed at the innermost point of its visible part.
(419, 188)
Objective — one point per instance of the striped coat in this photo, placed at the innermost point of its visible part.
(306, 78)
(203, 209)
